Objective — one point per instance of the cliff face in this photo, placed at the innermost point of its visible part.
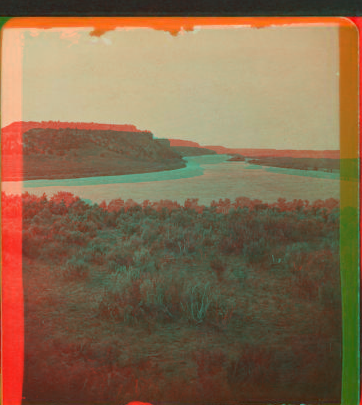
(164, 142)
(56, 153)
(66, 140)
(12, 135)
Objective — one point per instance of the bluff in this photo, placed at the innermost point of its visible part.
(60, 153)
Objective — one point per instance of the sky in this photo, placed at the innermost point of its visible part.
(275, 87)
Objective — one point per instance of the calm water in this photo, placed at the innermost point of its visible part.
(205, 177)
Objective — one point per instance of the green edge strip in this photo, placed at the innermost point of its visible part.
(349, 262)
(349, 220)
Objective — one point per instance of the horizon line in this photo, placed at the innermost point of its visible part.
(169, 138)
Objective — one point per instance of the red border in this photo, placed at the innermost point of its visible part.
(12, 307)
(12, 287)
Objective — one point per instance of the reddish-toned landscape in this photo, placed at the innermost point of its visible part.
(168, 301)
(15, 130)
(174, 215)
(114, 154)
(179, 303)
(324, 154)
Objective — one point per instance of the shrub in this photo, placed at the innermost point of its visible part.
(219, 268)
(120, 258)
(251, 367)
(256, 250)
(76, 269)
(196, 302)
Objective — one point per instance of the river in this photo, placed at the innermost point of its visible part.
(205, 177)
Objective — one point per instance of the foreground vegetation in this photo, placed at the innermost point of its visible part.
(159, 302)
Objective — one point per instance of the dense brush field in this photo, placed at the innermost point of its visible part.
(163, 302)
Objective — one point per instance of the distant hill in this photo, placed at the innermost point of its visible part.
(192, 151)
(253, 152)
(325, 154)
(319, 164)
(189, 148)
(237, 158)
(180, 142)
(70, 150)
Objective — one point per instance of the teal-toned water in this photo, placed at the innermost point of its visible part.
(206, 177)
(192, 169)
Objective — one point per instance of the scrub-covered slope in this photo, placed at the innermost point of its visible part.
(57, 153)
